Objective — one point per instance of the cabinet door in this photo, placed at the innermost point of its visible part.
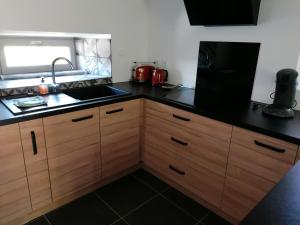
(14, 194)
(73, 146)
(256, 163)
(120, 136)
(35, 154)
(243, 190)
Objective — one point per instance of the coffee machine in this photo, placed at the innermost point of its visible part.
(284, 100)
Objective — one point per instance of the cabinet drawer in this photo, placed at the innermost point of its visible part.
(203, 183)
(259, 164)
(71, 126)
(115, 113)
(201, 149)
(271, 147)
(34, 148)
(242, 192)
(195, 122)
(120, 146)
(166, 164)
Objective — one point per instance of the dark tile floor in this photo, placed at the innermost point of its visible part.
(137, 199)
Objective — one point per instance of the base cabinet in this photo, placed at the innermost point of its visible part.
(256, 163)
(54, 159)
(186, 154)
(120, 136)
(14, 193)
(36, 162)
(73, 145)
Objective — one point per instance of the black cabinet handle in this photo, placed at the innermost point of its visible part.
(179, 142)
(33, 140)
(115, 111)
(272, 148)
(181, 118)
(82, 118)
(177, 170)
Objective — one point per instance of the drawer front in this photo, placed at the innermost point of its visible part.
(34, 148)
(195, 122)
(243, 191)
(271, 147)
(119, 112)
(74, 166)
(71, 126)
(201, 149)
(201, 182)
(166, 164)
(259, 164)
(120, 146)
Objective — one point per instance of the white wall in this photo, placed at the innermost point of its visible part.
(160, 30)
(173, 40)
(126, 20)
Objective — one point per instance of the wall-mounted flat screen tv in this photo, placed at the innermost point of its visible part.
(226, 72)
(222, 12)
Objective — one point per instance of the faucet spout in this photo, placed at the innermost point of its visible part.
(54, 84)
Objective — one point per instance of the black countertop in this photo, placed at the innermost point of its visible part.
(282, 205)
(239, 115)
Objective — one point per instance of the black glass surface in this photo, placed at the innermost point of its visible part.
(226, 72)
(221, 12)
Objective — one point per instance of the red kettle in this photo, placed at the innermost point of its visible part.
(159, 77)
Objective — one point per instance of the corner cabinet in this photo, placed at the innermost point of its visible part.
(14, 193)
(256, 163)
(120, 136)
(73, 146)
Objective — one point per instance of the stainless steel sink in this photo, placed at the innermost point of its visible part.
(94, 93)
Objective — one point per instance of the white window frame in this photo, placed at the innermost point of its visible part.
(34, 41)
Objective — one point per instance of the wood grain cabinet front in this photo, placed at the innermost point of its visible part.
(120, 136)
(183, 147)
(256, 163)
(73, 146)
(36, 162)
(14, 193)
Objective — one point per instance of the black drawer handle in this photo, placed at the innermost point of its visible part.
(179, 142)
(115, 111)
(272, 148)
(181, 118)
(177, 170)
(82, 118)
(33, 140)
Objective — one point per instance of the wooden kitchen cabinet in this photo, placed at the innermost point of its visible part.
(14, 193)
(183, 147)
(73, 146)
(256, 163)
(120, 126)
(36, 162)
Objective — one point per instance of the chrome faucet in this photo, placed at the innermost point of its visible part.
(54, 84)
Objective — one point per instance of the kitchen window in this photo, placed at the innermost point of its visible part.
(21, 55)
